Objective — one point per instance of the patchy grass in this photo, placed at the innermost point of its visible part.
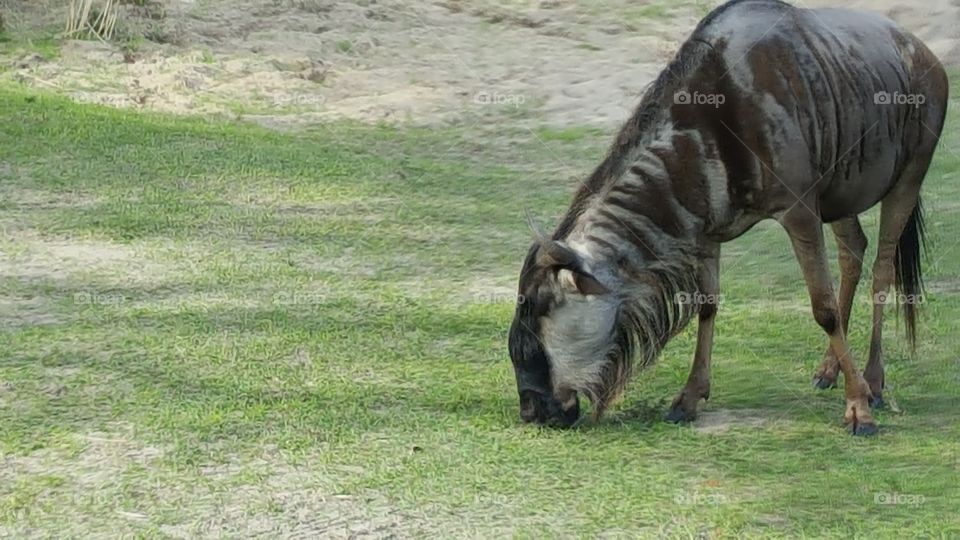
(569, 134)
(210, 328)
(651, 11)
(642, 13)
(47, 48)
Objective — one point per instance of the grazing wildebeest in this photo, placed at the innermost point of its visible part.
(768, 111)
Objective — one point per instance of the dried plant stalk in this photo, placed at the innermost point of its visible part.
(79, 23)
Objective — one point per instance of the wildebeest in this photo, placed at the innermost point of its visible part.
(767, 111)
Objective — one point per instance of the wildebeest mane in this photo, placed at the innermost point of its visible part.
(653, 103)
(658, 95)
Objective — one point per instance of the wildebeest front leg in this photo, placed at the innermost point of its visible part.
(851, 245)
(684, 408)
(806, 234)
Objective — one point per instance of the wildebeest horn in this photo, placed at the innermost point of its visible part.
(552, 253)
(555, 254)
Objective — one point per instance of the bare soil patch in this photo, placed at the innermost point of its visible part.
(293, 64)
(722, 420)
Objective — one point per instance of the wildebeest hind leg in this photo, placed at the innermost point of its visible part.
(806, 234)
(895, 212)
(851, 245)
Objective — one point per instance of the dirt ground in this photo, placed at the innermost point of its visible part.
(296, 63)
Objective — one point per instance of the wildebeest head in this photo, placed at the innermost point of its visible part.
(567, 335)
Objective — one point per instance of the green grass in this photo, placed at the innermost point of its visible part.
(214, 328)
(651, 11)
(47, 48)
(569, 134)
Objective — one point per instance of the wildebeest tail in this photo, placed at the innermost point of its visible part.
(909, 275)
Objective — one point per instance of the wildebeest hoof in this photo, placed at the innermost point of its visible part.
(865, 429)
(822, 382)
(876, 401)
(679, 415)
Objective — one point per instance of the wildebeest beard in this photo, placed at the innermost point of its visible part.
(651, 312)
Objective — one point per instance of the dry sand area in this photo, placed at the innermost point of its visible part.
(296, 63)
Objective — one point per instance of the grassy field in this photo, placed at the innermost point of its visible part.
(208, 328)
